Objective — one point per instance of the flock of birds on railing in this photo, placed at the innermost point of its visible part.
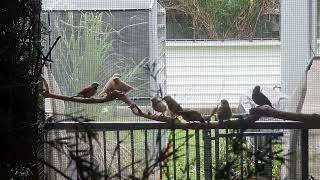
(223, 112)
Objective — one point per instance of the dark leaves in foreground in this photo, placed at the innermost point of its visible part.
(256, 159)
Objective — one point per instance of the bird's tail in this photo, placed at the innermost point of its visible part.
(213, 112)
(134, 88)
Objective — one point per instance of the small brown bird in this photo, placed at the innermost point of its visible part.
(224, 111)
(173, 106)
(89, 91)
(115, 83)
(191, 115)
(259, 98)
(158, 105)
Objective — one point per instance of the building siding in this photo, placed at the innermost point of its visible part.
(201, 73)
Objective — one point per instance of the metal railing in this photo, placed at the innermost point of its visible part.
(196, 150)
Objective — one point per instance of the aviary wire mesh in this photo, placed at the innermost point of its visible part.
(95, 45)
(214, 50)
(99, 39)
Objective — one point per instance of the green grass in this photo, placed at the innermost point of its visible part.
(181, 161)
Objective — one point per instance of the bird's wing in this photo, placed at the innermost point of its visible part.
(122, 86)
(266, 99)
(224, 113)
(85, 90)
(108, 87)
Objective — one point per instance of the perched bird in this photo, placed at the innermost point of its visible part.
(224, 111)
(259, 98)
(115, 83)
(89, 91)
(173, 106)
(191, 115)
(158, 105)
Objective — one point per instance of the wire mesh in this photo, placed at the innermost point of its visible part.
(205, 51)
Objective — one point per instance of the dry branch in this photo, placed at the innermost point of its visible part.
(115, 95)
(157, 117)
(308, 119)
(255, 113)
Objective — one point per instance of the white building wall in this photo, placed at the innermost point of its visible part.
(201, 73)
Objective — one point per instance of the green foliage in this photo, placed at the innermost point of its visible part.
(83, 56)
(80, 57)
(225, 19)
(239, 152)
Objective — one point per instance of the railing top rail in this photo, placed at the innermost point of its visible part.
(101, 126)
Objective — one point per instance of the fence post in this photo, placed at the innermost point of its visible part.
(207, 153)
(304, 143)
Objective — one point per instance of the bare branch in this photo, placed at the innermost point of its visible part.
(267, 111)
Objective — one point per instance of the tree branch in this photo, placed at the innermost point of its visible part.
(265, 110)
(241, 122)
(115, 95)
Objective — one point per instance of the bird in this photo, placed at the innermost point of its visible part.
(259, 98)
(224, 111)
(158, 105)
(115, 83)
(191, 115)
(173, 106)
(88, 91)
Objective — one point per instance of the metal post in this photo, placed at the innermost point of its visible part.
(304, 143)
(119, 154)
(132, 153)
(187, 154)
(217, 148)
(198, 159)
(174, 154)
(207, 154)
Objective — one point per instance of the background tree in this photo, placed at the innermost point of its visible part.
(225, 19)
(20, 68)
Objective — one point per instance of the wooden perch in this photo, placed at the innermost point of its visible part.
(110, 97)
(115, 95)
(241, 122)
(308, 119)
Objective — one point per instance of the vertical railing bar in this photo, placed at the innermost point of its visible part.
(227, 145)
(241, 160)
(271, 154)
(146, 149)
(174, 155)
(197, 154)
(132, 153)
(227, 152)
(77, 142)
(304, 143)
(104, 154)
(217, 148)
(207, 153)
(91, 153)
(187, 154)
(45, 155)
(119, 154)
(77, 147)
(255, 159)
(159, 137)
